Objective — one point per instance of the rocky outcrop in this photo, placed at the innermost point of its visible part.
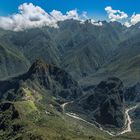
(58, 81)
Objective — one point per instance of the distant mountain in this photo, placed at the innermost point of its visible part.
(89, 53)
(12, 62)
(76, 61)
(34, 43)
(124, 62)
(80, 49)
(86, 46)
(132, 31)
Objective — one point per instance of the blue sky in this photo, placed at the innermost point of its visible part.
(39, 13)
(95, 8)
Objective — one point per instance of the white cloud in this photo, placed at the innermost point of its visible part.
(115, 15)
(92, 21)
(58, 16)
(135, 19)
(30, 16)
(96, 23)
(127, 24)
(84, 15)
(72, 15)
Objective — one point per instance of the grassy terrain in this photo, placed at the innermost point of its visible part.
(36, 124)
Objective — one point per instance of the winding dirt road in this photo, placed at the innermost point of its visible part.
(128, 121)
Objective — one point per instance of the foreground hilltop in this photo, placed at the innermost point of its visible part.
(30, 100)
(31, 106)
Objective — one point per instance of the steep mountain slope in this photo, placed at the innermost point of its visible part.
(71, 33)
(132, 31)
(34, 43)
(80, 49)
(46, 78)
(84, 61)
(105, 105)
(31, 106)
(86, 47)
(11, 62)
(132, 94)
(123, 63)
(27, 101)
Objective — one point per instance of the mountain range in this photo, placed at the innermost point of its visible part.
(81, 49)
(56, 83)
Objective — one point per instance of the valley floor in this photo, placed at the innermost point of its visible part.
(126, 129)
